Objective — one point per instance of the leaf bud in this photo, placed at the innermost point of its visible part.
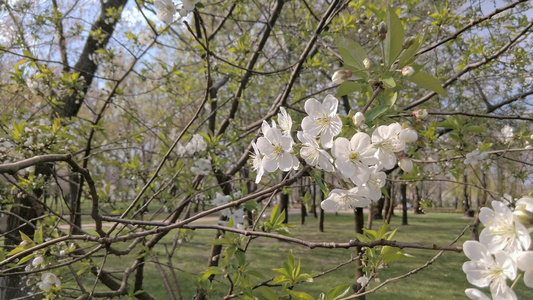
(408, 42)
(408, 71)
(367, 62)
(341, 76)
(358, 119)
(382, 30)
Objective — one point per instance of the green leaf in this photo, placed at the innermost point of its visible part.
(301, 295)
(375, 112)
(474, 129)
(351, 52)
(362, 238)
(26, 258)
(256, 273)
(389, 82)
(372, 234)
(318, 179)
(347, 87)
(38, 237)
(427, 81)
(382, 231)
(268, 293)
(338, 292)
(394, 39)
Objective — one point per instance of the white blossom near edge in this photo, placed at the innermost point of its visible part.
(187, 7)
(525, 263)
(476, 294)
(474, 157)
(165, 10)
(47, 280)
(257, 163)
(501, 232)
(276, 149)
(485, 271)
(322, 120)
(312, 153)
(285, 121)
(345, 199)
(353, 157)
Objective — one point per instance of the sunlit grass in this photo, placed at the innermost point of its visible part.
(443, 279)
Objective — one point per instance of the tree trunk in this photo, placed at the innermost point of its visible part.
(403, 192)
(359, 221)
(417, 208)
(481, 200)
(467, 211)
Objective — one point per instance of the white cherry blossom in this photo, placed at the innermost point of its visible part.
(474, 157)
(353, 157)
(322, 120)
(376, 181)
(47, 280)
(276, 149)
(165, 10)
(484, 270)
(312, 153)
(501, 232)
(385, 139)
(345, 199)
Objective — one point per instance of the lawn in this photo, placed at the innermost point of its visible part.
(443, 279)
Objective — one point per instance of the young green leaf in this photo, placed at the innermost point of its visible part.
(427, 81)
(394, 39)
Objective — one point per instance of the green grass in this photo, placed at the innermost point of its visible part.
(444, 279)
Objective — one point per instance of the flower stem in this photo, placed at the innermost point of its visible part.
(516, 280)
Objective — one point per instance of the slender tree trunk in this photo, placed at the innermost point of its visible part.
(466, 199)
(359, 221)
(416, 201)
(403, 192)
(284, 206)
(313, 199)
(370, 218)
(481, 200)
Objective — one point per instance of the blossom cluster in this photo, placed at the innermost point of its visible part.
(358, 161)
(502, 250)
(236, 214)
(166, 9)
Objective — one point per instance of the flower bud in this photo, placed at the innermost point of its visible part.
(408, 135)
(406, 164)
(408, 42)
(382, 30)
(358, 119)
(367, 62)
(420, 113)
(408, 71)
(341, 76)
(523, 212)
(37, 261)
